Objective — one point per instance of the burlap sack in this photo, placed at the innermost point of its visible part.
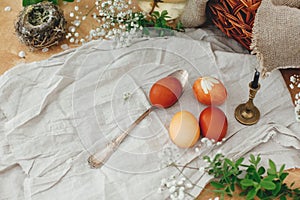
(276, 40)
(194, 13)
(290, 3)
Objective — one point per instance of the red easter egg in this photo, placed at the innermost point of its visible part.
(165, 92)
(213, 123)
(209, 91)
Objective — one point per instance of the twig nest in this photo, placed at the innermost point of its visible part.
(41, 25)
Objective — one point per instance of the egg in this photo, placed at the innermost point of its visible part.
(165, 92)
(209, 91)
(213, 123)
(184, 129)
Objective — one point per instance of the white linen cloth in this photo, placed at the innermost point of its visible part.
(56, 112)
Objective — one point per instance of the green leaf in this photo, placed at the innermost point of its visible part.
(281, 169)
(272, 166)
(261, 171)
(271, 172)
(217, 185)
(277, 189)
(251, 194)
(268, 185)
(155, 14)
(229, 162)
(206, 158)
(270, 177)
(282, 198)
(30, 2)
(283, 176)
(239, 161)
(164, 13)
(54, 1)
(247, 182)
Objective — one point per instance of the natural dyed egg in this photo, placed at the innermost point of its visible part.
(184, 129)
(213, 123)
(165, 92)
(209, 91)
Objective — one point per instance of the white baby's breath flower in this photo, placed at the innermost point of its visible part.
(44, 50)
(201, 169)
(7, 9)
(22, 54)
(64, 46)
(172, 189)
(188, 185)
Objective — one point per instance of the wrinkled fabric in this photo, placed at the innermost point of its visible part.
(57, 112)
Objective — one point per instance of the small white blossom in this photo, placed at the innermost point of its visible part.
(22, 54)
(64, 46)
(188, 185)
(201, 169)
(180, 182)
(160, 190)
(172, 189)
(209, 143)
(7, 9)
(203, 140)
(44, 50)
(218, 143)
(181, 195)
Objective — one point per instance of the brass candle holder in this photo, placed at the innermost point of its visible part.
(247, 113)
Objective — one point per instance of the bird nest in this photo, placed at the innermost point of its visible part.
(41, 25)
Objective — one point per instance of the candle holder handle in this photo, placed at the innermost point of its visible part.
(247, 113)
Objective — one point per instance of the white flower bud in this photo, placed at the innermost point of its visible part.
(22, 54)
(188, 185)
(44, 50)
(181, 195)
(172, 189)
(7, 9)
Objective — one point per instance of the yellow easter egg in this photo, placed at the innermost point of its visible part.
(184, 129)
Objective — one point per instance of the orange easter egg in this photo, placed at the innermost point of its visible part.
(213, 123)
(165, 92)
(209, 91)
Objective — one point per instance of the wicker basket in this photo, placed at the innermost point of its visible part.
(234, 17)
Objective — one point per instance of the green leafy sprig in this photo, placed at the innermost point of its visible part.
(157, 21)
(253, 179)
(30, 2)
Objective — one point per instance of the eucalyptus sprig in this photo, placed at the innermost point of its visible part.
(253, 179)
(30, 2)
